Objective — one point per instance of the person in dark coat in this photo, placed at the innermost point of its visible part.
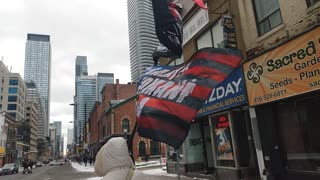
(25, 165)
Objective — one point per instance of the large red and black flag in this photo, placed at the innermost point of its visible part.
(169, 30)
(200, 3)
(169, 97)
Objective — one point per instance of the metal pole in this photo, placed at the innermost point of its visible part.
(178, 163)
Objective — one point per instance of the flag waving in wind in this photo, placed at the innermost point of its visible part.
(168, 26)
(200, 4)
(169, 97)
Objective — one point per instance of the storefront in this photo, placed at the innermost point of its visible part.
(284, 93)
(223, 123)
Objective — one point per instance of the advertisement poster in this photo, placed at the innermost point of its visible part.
(222, 134)
(223, 144)
(290, 69)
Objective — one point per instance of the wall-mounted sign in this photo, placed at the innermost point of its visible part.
(197, 22)
(230, 93)
(290, 69)
(229, 34)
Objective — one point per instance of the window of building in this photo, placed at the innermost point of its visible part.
(268, 15)
(154, 148)
(125, 125)
(1, 89)
(12, 107)
(311, 2)
(13, 115)
(213, 37)
(13, 82)
(13, 90)
(142, 148)
(0, 107)
(12, 98)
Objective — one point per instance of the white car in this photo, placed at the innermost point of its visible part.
(54, 163)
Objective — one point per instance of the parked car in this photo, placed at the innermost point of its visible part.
(54, 163)
(9, 169)
(39, 164)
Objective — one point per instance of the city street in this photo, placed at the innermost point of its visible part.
(74, 171)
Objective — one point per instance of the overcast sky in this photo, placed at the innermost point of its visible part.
(97, 29)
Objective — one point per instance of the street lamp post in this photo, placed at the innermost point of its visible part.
(82, 136)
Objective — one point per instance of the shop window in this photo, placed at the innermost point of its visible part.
(213, 37)
(12, 98)
(12, 107)
(13, 90)
(154, 148)
(125, 125)
(312, 2)
(223, 140)
(142, 148)
(268, 15)
(13, 82)
(298, 127)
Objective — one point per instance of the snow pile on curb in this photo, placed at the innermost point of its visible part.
(82, 168)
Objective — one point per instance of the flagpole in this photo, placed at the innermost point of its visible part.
(178, 162)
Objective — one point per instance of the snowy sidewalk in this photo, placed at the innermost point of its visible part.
(156, 171)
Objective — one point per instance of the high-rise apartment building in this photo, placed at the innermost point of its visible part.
(142, 37)
(37, 67)
(42, 123)
(102, 79)
(85, 99)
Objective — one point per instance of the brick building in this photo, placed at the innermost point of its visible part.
(116, 115)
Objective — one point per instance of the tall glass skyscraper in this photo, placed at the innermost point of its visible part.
(142, 37)
(102, 79)
(37, 67)
(85, 99)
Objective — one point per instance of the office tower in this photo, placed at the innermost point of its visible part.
(53, 139)
(102, 79)
(142, 37)
(37, 67)
(62, 144)
(81, 66)
(57, 125)
(70, 140)
(70, 136)
(33, 95)
(81, 70)
(85, 99)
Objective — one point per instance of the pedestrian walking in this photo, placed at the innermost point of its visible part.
(113, 162)
(85, 160)
(25, 166)
(90, 160)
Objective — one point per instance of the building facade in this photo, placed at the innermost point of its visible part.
(53, 140)
(102, 79)
(37, 68)
(32, 118)
(13, 95)
(33, 95)
(58, 126)
(86, 98)
(8, 139)
(142, 37)
(282, 74)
